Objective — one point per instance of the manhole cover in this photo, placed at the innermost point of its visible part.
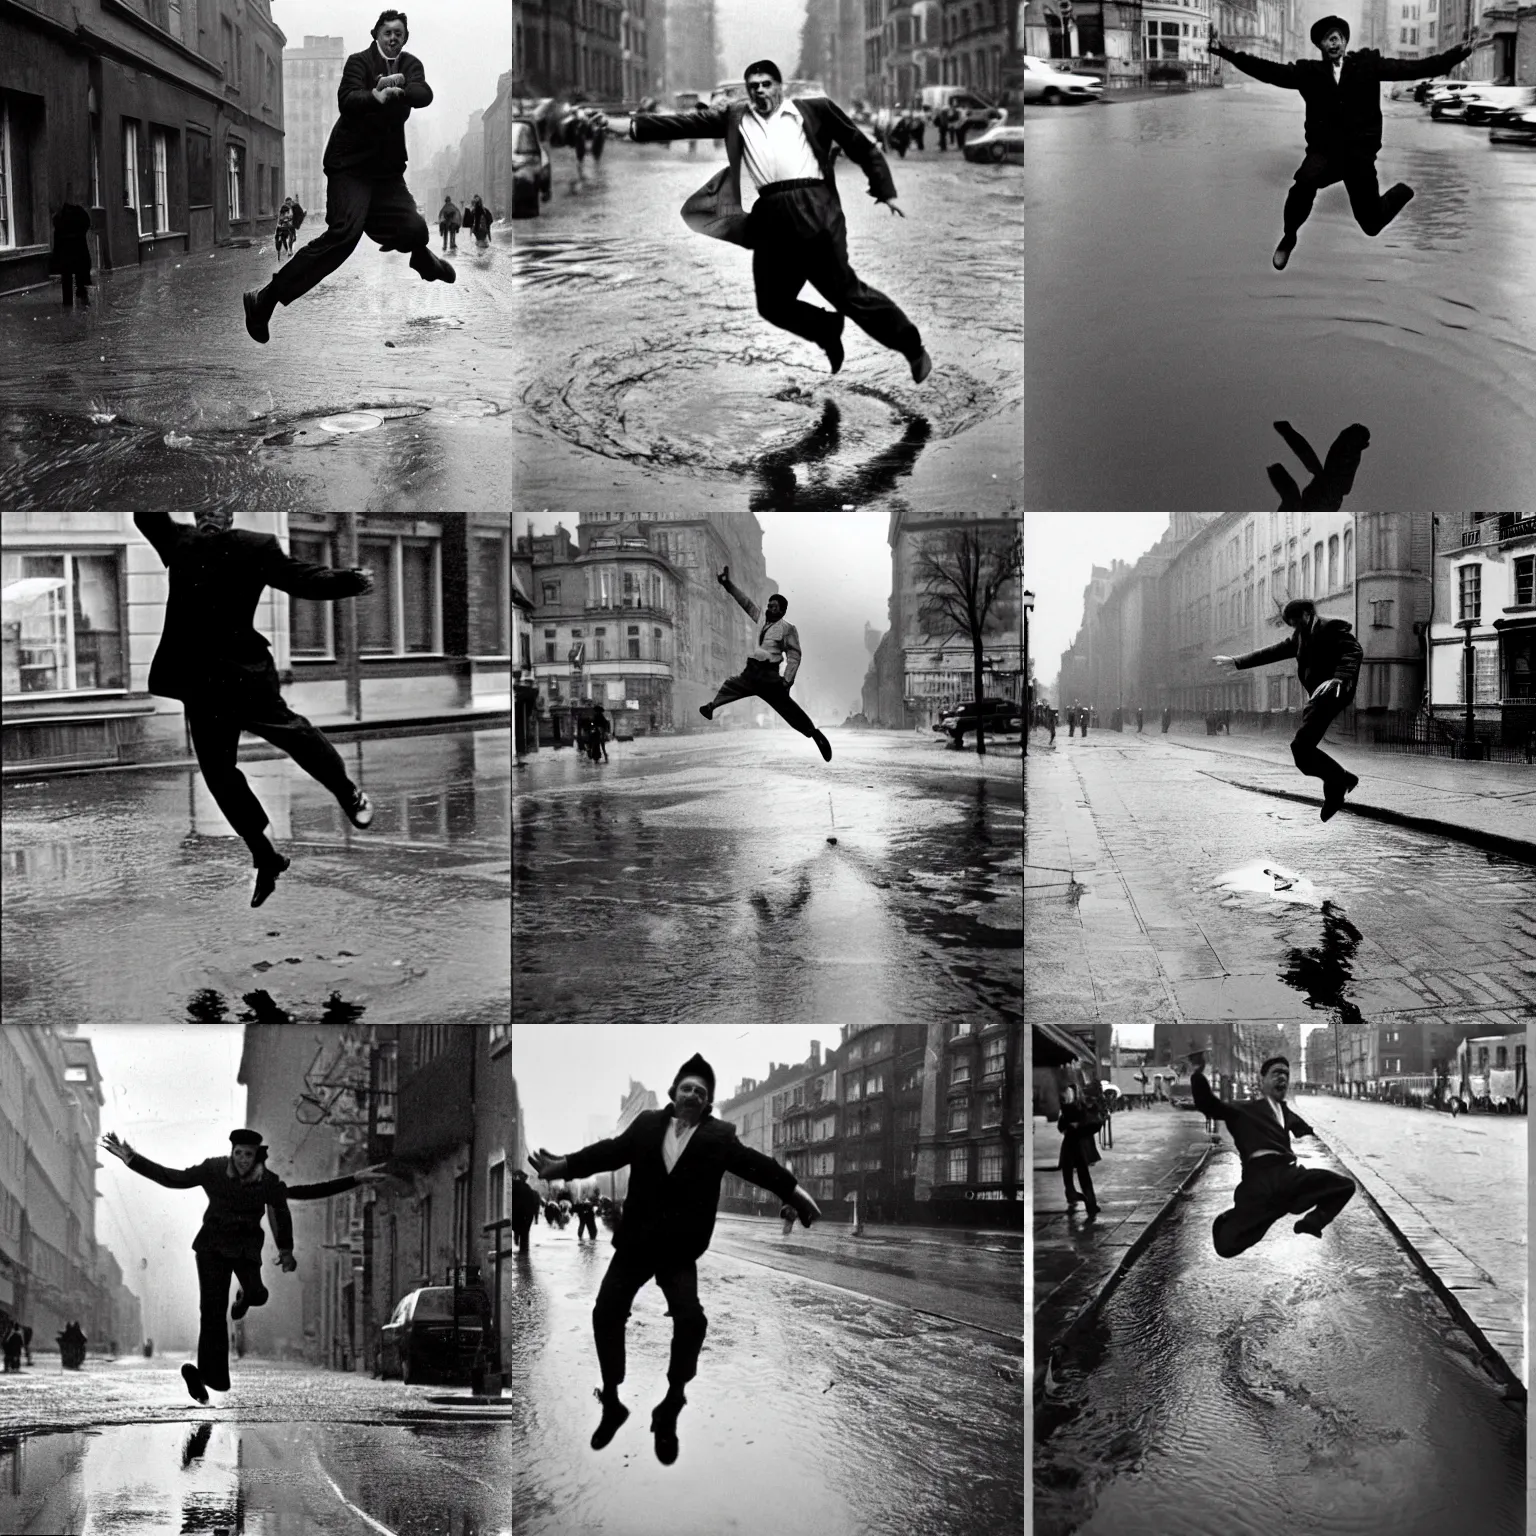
(351, 421)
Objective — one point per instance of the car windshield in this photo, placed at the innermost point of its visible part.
(436, 1304)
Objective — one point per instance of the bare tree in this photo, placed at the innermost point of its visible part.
(961, 575)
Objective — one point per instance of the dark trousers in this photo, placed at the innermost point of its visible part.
(1357, 172)
(798, 237)
(216, 740)
(587, 1220)
(1074, 1161)
(520, 1227)
(213, 1275)
(761, 680)
(1273, 1187)
(1316, 717)
(381, 208)
(679, 1282)
(77, 287)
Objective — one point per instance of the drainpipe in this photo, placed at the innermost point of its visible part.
(349, 619)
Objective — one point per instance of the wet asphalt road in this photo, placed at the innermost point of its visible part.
(1172, 918)
(644, 366)
(690, 878)
(815, 1412)
(155, 396)
(127, 896)
(1188, 341)
(1307, 1387)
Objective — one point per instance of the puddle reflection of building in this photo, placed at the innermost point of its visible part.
(1332, 479)
(778, 487)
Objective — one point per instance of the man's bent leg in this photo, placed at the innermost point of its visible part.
(1323, 1193)
(252, 1288)
(1316, 716)
(680, 1285)
(213, 1276)
(1373, 209)
(733, 688)
(1314, 173)
(879, 317)
(305, 744)
(347, 201)
(216, 740)
(627, 1272)
(396, 224)
(778, 276)
(773, 693)
(1254, 1211)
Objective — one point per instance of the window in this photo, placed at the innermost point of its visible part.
(199, 169)
(1333, 562)
(1381, 613)
(959, 1117)
(61, 623)
(1349, 556)
(957, 1165)
(402, 615)
(310, 634)
(95, 161)
(634, 643)
(1525, 581)
(462, 1246)
(960, 1070)
(490, 576)
(992, 1107)
(131, 170)
(234, 180)
(994, 1056)
(959, 1031)
(854, 1090)
(1471, 591)
(1306, 576)
(552, 593)
(989, 1168)
(160, 160)
(431, 1042)
(227, 45)
(173, 17)
(7, 174)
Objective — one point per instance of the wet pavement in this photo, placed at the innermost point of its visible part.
(376, 390)
(126, 895)
(694, 878)
(1305, 1386)
(816, 1411)
(1194, 347)
(646, 369)
(292, 1451)
(1144, 902)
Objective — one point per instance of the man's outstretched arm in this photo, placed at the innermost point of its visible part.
(162, 530)
(1423, 69)
(1206, 1101)
(600, 1157)
(1267, 70)
(171, 1178)
(318, 582)
(741, 597)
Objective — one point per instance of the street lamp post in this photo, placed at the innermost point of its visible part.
(1469, 745)
(1026, 605)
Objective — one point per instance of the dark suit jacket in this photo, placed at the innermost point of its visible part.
(369, 136)
(674, 1213)
(210, 650)
(1078, 1127)
(1252, 1122)
(715, 209)
(1329, 650)
(1342, 118)
(232, 1223)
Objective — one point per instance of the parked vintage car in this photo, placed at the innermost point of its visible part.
(1001, 142)
(420, 1342)
(532, 177)
(1485, 103)
(1513, 126)
(1054, 87)
(998, 717)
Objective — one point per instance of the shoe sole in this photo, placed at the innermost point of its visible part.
(1281, 257)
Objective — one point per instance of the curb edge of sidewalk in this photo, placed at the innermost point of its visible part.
(1493, 842)
(1095, 1303)
(1492, 1358)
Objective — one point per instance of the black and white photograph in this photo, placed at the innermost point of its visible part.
(1280, 870)
(768, 1279)
(257, 766)
(768, 766)
(257, 1278)
(1251, 217)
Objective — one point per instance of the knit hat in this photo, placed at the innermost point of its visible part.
(245, 1138)
(1320, 29)
(695, 1066)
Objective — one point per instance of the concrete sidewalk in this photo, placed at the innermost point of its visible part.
(1492, 805)
(1078, 1260)
(885, 1235)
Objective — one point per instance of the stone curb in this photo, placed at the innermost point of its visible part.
(1494, 842)
(1090, 1309)
(1492, 1357)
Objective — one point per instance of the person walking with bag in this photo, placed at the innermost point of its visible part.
(1078, 1126)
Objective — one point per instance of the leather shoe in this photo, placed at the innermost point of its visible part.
(257, 315)
(359, 809)
(922, 365)
(833, 347)
(707, 710)
(433, 268)
(824, 746)
(194, 1380)
(664, 1427)
(240, 1308)
(266, 879)
(1306, 1225)
(1283, 252)
(614, 1414)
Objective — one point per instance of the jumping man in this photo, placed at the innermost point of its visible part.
(776, 640)
(1343, 96)
(795, 229)
(1273, 1182)
(1328, 663)
(677, 1157)
(365, 190)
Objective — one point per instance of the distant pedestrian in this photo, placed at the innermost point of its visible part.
(525, 1206)
(941, 122)
(586, 1214)
(449, 222)
(1138, 719)
(1167, 718)
(282, 233)
(477, 221)
(1085, 717)
(1078, 1129)
(1050, 718)
(601, 731)
(1328, 662)
(364, 168)
(1071, 721)
(919, 121)
(13, 1348)
(70, 258)
(1273, 1183)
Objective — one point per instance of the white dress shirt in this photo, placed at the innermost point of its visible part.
(1279, 1110)
(777, 148)
(674, 1141)
(1338, 68)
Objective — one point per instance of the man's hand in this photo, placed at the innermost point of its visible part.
(1324, 689)
(547, 1165)
(116, 1146)
(1214, 39)
(374, 1174)
(382, 93)
(286, 1261)
(392, 82)
(724, 578)
(890, 202)
(365, 575)
(1225, 661)
(807, 1207)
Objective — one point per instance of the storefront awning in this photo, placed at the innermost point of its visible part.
(1054, 1046)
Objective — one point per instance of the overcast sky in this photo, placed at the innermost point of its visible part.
(170, 1092)
(1060, 551)
(568, 1072)
(835, 569)
(758, 29)
(463, 45)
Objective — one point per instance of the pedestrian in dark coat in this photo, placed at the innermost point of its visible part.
(364, 164)
(1274, 1184)
(212, 658)
(1328, 662)
(1343, 96)
(795, 230)
(477, 220)
(586, 1219)
(70, 258)
(1078, 1127)
(13, 1349)
(677, 1158)
(1138, 718)
(525, 1207)
(449, 221)
(1167, 718)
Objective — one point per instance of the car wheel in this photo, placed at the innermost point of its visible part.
(1051, 97)
(999, 153)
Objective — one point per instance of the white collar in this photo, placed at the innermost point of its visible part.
(787, 108)
(390, 63)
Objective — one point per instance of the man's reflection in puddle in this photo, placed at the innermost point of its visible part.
(1332, 480)
(778, 488)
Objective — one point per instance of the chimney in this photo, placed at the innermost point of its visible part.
(815, 1053)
